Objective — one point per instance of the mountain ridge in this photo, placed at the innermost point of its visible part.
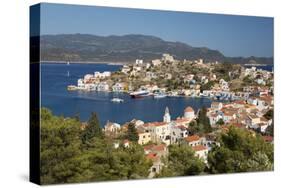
(127, 48)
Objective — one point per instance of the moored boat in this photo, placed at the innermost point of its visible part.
(139, 94)
(159, 95)
(72, 88)
(118, 100)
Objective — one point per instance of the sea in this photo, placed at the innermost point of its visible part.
(55, 77)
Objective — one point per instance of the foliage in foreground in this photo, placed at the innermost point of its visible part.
(241, 151)
(66, 159)
(181, 161)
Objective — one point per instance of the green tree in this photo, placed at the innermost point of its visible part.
(92, 129)
(64, 159)
(203, 121)
(59, 148)
(220, 122)
(270, 130)
(240, 151)
(207, 86)
(132, 133)
(181, 161)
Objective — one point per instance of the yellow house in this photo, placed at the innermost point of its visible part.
(144, 137)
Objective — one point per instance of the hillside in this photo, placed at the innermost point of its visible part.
(127, 48)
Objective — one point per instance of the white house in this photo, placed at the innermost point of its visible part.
(160, 132)
(201, 152)
(125, 69)
(156, 62)
(139, 62)
(193, 140)
(102, 75)
(216, 105)
(178, 133)
(118, 87)
(102, 86)
(112, 127)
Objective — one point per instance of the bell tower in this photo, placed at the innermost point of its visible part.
(167, 117)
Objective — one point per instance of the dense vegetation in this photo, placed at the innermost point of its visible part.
(181, 161)
(69, 154)
(240, 151)
(202, 123)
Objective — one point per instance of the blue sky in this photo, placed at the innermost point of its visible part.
(232, 35)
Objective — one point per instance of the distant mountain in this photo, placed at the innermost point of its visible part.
(127, 48)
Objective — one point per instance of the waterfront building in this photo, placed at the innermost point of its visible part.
(80, 84)
(118, 87)
(88, 78)
(125, 69)
(102, 86)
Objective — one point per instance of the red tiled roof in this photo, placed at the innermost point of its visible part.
(192, 138)
(159, 147)
(154, 124)
(152, 156)
(154, 147)
(181, 127)
(199, 148)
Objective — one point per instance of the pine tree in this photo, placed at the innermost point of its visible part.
(132, 133)
(93, 129)
(204, 120)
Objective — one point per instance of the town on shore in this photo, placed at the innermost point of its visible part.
(168, 77)
(245, 101)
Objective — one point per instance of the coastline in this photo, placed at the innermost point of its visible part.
(84, 62)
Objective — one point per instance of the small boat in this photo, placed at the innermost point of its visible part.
(118, 100)
(71, 88)
(159, 95)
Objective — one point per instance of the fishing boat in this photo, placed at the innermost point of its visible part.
(117, 100)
